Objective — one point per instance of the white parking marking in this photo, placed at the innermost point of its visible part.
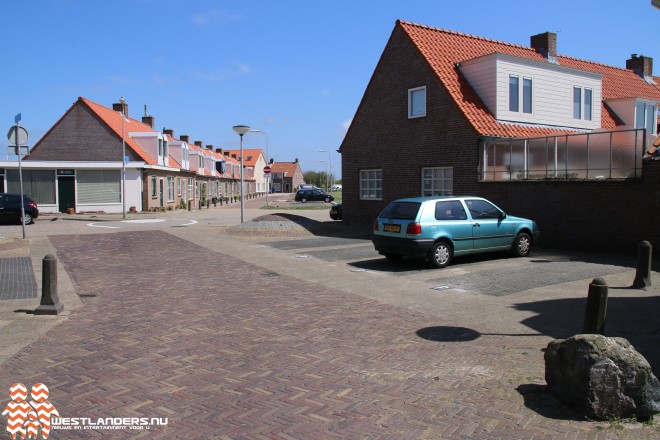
(93, 225)
(192, 222)
(145, 220)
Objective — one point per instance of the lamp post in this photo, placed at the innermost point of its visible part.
(241, 130)
(328, 179)
(267, 175)
(123, 158)
(326, 174)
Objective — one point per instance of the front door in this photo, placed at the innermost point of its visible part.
(66, 193)
(161, 194)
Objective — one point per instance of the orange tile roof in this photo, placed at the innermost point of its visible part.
(113, 118)
(289, 168)
(442, 49)
(252, 154)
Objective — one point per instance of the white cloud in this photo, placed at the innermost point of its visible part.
(236, 69)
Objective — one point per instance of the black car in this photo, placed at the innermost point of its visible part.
(335, 211)
(10, 208)
(309, 195)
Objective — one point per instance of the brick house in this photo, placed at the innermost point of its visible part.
(286, 177)
(77, 165)
(545, 136)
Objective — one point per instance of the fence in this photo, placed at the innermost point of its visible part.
(586, 156)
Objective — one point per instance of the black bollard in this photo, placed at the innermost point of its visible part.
(50, 302)
(594, 318)
(643, 274)
(189, 206)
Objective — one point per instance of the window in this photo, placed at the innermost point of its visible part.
(98, 186)
(154, 190)
(582, 107)
(452, 210)
(515, 93)
(481, 209)
(178, 185)
(160, 147)
(170, 189)
(38, 184)
(417, 102)
(645, 117)
(527, 95)
(190, 188)
(438, 181)
(371, 184)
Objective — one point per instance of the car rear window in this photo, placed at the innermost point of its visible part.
(401, 210)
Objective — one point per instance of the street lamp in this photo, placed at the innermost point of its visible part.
(328, 178)
(326, 174)
(267, 175)
(123, 158)
(241, 130)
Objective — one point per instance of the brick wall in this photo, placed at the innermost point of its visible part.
(587, 215)
(80, 136)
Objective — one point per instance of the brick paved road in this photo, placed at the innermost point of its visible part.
(226, 349)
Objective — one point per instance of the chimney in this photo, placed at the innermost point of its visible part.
(295, 161)
(169, 132)
(198, 143)
(210, 147)
(272, 161)
(233, 156)
(185, 138)
(227, 153)
(121, 107)
(219, 151)
(148, 120)
(546, 45)
(641, 65)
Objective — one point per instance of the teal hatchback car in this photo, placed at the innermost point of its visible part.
(439, 228)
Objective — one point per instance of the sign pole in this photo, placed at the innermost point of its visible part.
(20, 171)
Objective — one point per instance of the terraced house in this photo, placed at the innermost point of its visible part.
(546, 136)
(77, 165)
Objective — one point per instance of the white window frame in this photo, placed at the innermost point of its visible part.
(439, 185)
(411, 93)
(583, 102)
(645, 118)
(371, 184)
(154, 187)
(170, 188)
(521, 95)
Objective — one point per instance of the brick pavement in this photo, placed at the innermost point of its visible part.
(228, 349)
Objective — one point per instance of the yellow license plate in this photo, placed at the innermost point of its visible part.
(391, 228)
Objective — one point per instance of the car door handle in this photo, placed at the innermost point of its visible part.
(476, 225)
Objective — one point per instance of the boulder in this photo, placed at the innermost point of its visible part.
(606, 378)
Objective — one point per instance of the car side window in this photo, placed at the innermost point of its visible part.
(481, 209)
(450, 210)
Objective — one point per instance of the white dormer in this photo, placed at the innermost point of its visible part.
(520, 90)
(636, 112)
(180, 151)
(154, 143)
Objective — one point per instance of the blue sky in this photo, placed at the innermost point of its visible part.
(294, 69)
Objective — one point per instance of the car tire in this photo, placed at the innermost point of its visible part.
(440, 254)
(27, 220)
(327, 200)
(303, 200)
(522, 245)
(393, 257)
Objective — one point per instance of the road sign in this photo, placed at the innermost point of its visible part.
(13, 151)
(267, 169)
(22, 135)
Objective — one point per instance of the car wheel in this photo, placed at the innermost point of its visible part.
(440, 254)
(522, 245)
(393, 257)
(303, 200)
(327, 200)
(27, 219)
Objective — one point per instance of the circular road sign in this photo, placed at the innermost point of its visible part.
(267, 169)
(22, 135)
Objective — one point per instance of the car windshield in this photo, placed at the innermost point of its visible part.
(401, 210)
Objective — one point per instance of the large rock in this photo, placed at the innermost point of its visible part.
(604, 377)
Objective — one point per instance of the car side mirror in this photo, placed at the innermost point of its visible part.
(502, 215)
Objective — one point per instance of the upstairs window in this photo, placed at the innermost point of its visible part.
(582, 103)
(515, 94)
(417, 102)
